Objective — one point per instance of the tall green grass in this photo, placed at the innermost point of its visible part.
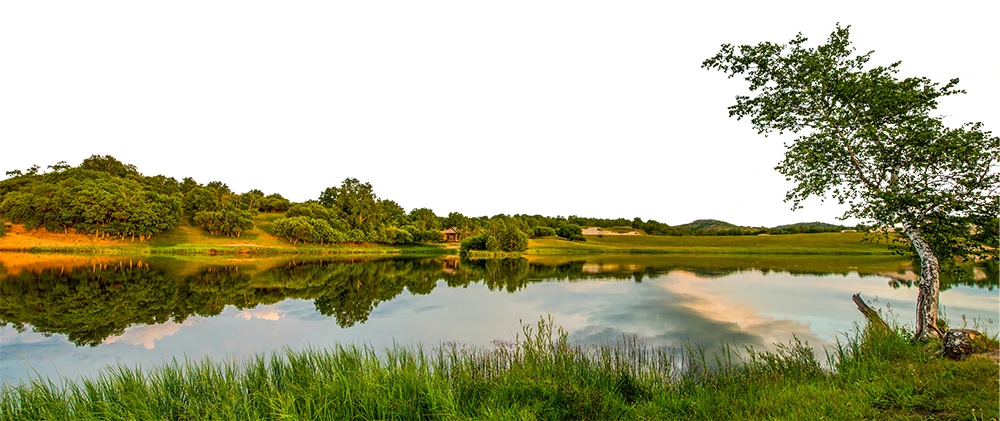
(538, 375)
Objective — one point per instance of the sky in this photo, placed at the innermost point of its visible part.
(586, 108)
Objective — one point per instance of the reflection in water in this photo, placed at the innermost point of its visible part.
(147, 335)
(91, 304)
(707, 300)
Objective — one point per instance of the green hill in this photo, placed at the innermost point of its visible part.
(707, 225)
(823, 225)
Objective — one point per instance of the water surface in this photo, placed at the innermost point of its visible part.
(71, 316)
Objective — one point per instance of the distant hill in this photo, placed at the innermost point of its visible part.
(823, 225)
(707, 225)
(807, 227)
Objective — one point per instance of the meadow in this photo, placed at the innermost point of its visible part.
(847, 243)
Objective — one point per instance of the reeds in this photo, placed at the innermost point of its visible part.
(538, 375)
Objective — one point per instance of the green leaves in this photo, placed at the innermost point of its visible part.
(229, 222)
(865, 137)
(90, 201)
(868, 139)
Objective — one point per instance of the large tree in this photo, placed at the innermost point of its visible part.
(870, 139)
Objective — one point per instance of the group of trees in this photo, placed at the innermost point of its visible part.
(107, 198)
(102, 197)
(503, 235)
(352, 213)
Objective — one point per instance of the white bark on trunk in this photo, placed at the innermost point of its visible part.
(930, 284)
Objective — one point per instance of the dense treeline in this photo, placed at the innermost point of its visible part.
(110, 199)
(101, 196)
(107, 198)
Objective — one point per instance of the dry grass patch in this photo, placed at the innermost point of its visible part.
(19, 238)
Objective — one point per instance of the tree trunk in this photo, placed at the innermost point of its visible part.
(930, 284)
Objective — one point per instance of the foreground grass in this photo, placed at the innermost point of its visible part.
(539, 376)
(846, 243)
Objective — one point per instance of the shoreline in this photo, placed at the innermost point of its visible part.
(845, 244)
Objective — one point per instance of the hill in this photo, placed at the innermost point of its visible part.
(807, 228)
(707, 225)
(811, 224)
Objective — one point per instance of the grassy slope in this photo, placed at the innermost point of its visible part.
(188, 239)
(825, 243)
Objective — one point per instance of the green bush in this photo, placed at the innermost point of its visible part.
(393, 235)
(537, 232)
(474, 243)
(571, 232)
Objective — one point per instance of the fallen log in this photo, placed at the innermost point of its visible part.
(874, 319)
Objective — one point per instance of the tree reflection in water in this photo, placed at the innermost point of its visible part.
(90, 303)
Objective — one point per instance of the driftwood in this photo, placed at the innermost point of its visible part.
(874, 319)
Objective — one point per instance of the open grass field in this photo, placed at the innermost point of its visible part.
(824, 243)
(887, 265)
(872, 375)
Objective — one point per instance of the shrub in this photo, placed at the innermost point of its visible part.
(537, 232)
(571, 232)
(395, 235)
(473, 243)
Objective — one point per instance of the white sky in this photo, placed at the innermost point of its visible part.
(540, 107)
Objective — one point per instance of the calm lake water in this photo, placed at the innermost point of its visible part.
(72, 316)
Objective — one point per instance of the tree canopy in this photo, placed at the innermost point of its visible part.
(870, 139)
(108, 198)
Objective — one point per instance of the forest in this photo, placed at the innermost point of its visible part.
(107, 198)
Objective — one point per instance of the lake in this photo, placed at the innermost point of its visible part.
(72, 316)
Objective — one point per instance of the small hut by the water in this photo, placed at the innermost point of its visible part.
(451, 235)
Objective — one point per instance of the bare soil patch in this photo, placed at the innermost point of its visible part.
(19, 238)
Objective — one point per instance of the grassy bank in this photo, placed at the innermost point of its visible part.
(539, 376)
(847, 243)
(191, 240)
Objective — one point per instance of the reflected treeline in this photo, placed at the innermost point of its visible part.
(980, 275)
(89, 304)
